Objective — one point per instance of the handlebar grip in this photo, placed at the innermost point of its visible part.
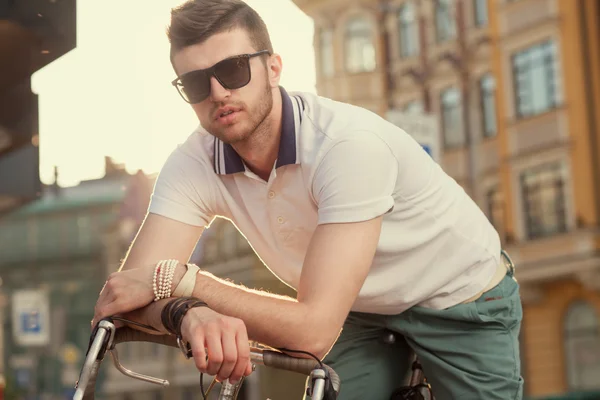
(335, 379)
(126, 334)
(301, 365)
(271, 358)
(279, 360)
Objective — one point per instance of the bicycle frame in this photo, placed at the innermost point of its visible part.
(324, 382)
(416, 386)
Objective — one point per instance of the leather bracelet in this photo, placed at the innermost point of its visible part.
(165, 315)
(174, 311)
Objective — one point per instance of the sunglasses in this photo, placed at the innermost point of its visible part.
(232, 73)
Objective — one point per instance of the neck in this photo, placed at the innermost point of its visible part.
(260, 151)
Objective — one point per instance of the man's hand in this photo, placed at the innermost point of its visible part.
(125, 291)
(224, 339)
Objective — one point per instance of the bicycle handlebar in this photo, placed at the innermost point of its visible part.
(268, 358)
(108, 340)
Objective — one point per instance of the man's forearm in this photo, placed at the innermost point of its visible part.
(277, 321)
(149, 315)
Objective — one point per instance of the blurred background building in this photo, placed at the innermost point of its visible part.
(506, 94)
(53, 260)
(514, 86)
(55, 255)
(33, 34)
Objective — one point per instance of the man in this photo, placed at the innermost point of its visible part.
(339, 204)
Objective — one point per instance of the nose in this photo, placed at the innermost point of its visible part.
(217, 92)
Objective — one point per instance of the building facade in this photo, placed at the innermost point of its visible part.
(515, 88)
(52, 267)
(60, 249)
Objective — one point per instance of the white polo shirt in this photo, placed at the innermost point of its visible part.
(339, 163)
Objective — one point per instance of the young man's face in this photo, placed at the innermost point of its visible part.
(231, 115)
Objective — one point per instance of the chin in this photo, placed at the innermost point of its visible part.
(233, 134)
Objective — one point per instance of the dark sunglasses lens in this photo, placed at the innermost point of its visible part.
(233, 73)
(195, 86)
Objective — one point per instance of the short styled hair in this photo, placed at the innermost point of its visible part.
(195, 21)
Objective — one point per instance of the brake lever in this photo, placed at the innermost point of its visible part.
(135, 375)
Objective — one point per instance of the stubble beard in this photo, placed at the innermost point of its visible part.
(258, 123)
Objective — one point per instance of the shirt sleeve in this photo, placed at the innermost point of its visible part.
(356, 179)
(183, 191)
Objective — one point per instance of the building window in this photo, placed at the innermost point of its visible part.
(544, 200)
(495, 209)
(452, 124)
(414, 107)
(487, 89)
(535, 78)
(445, 27)
(408, 30)
(360, 48)
(582, 347)
(326, 52)
(481, 12)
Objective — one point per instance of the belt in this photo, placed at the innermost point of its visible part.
(506, 266)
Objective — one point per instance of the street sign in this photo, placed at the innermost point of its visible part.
(423, 128)
(31, 317)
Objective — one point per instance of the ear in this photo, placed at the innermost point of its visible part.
(274, 67)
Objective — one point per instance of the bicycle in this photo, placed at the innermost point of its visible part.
(324, 382)
(416, 387)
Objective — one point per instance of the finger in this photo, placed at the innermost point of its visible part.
(198, 351)
(108, 310)
(243, 355)
(106, 297)
(215, 352)
(104, 293)
(249, 368)
(230, 355)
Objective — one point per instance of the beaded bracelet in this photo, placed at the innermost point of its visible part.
(163, 278)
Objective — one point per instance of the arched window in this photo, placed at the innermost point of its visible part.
(326, 52)
(452, 122)
(582, 347)
(445, 27)
(408, 30)
(360, 46)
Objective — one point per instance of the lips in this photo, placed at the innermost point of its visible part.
(224, 112)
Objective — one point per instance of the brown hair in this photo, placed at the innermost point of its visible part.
(195, 21)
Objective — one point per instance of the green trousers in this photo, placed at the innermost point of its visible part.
(468, 351)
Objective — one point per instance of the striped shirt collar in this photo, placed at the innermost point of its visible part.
(227, 161)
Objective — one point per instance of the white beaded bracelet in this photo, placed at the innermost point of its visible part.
(171, 264)
(157, 284)
(163, 278)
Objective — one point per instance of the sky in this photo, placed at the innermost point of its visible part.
(112, 96)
